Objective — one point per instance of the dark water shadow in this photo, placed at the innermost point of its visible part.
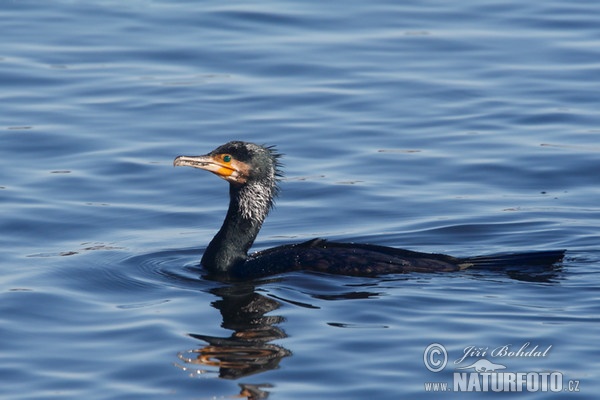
(248, 350)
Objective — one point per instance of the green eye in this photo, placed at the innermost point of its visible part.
(227, 158)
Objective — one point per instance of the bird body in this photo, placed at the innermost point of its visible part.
(253, 172)
(344, 258)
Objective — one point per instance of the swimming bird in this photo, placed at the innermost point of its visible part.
(253, 172)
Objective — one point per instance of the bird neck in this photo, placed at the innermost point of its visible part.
(248, 208)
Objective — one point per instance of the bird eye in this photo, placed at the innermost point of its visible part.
(226, 158)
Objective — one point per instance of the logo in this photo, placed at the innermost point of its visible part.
(435, 357)
(487, 369)
(484, 365)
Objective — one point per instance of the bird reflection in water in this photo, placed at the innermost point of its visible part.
(247, 350)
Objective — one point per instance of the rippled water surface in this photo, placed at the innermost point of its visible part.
(459, 127)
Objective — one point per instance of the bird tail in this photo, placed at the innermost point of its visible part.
(496, 262)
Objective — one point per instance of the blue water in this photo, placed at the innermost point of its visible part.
(460, 127)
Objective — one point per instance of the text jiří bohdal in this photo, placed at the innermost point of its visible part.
(526, 350)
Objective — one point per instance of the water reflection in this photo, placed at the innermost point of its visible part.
(248, 350)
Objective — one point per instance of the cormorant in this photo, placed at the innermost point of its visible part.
(253, 172)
